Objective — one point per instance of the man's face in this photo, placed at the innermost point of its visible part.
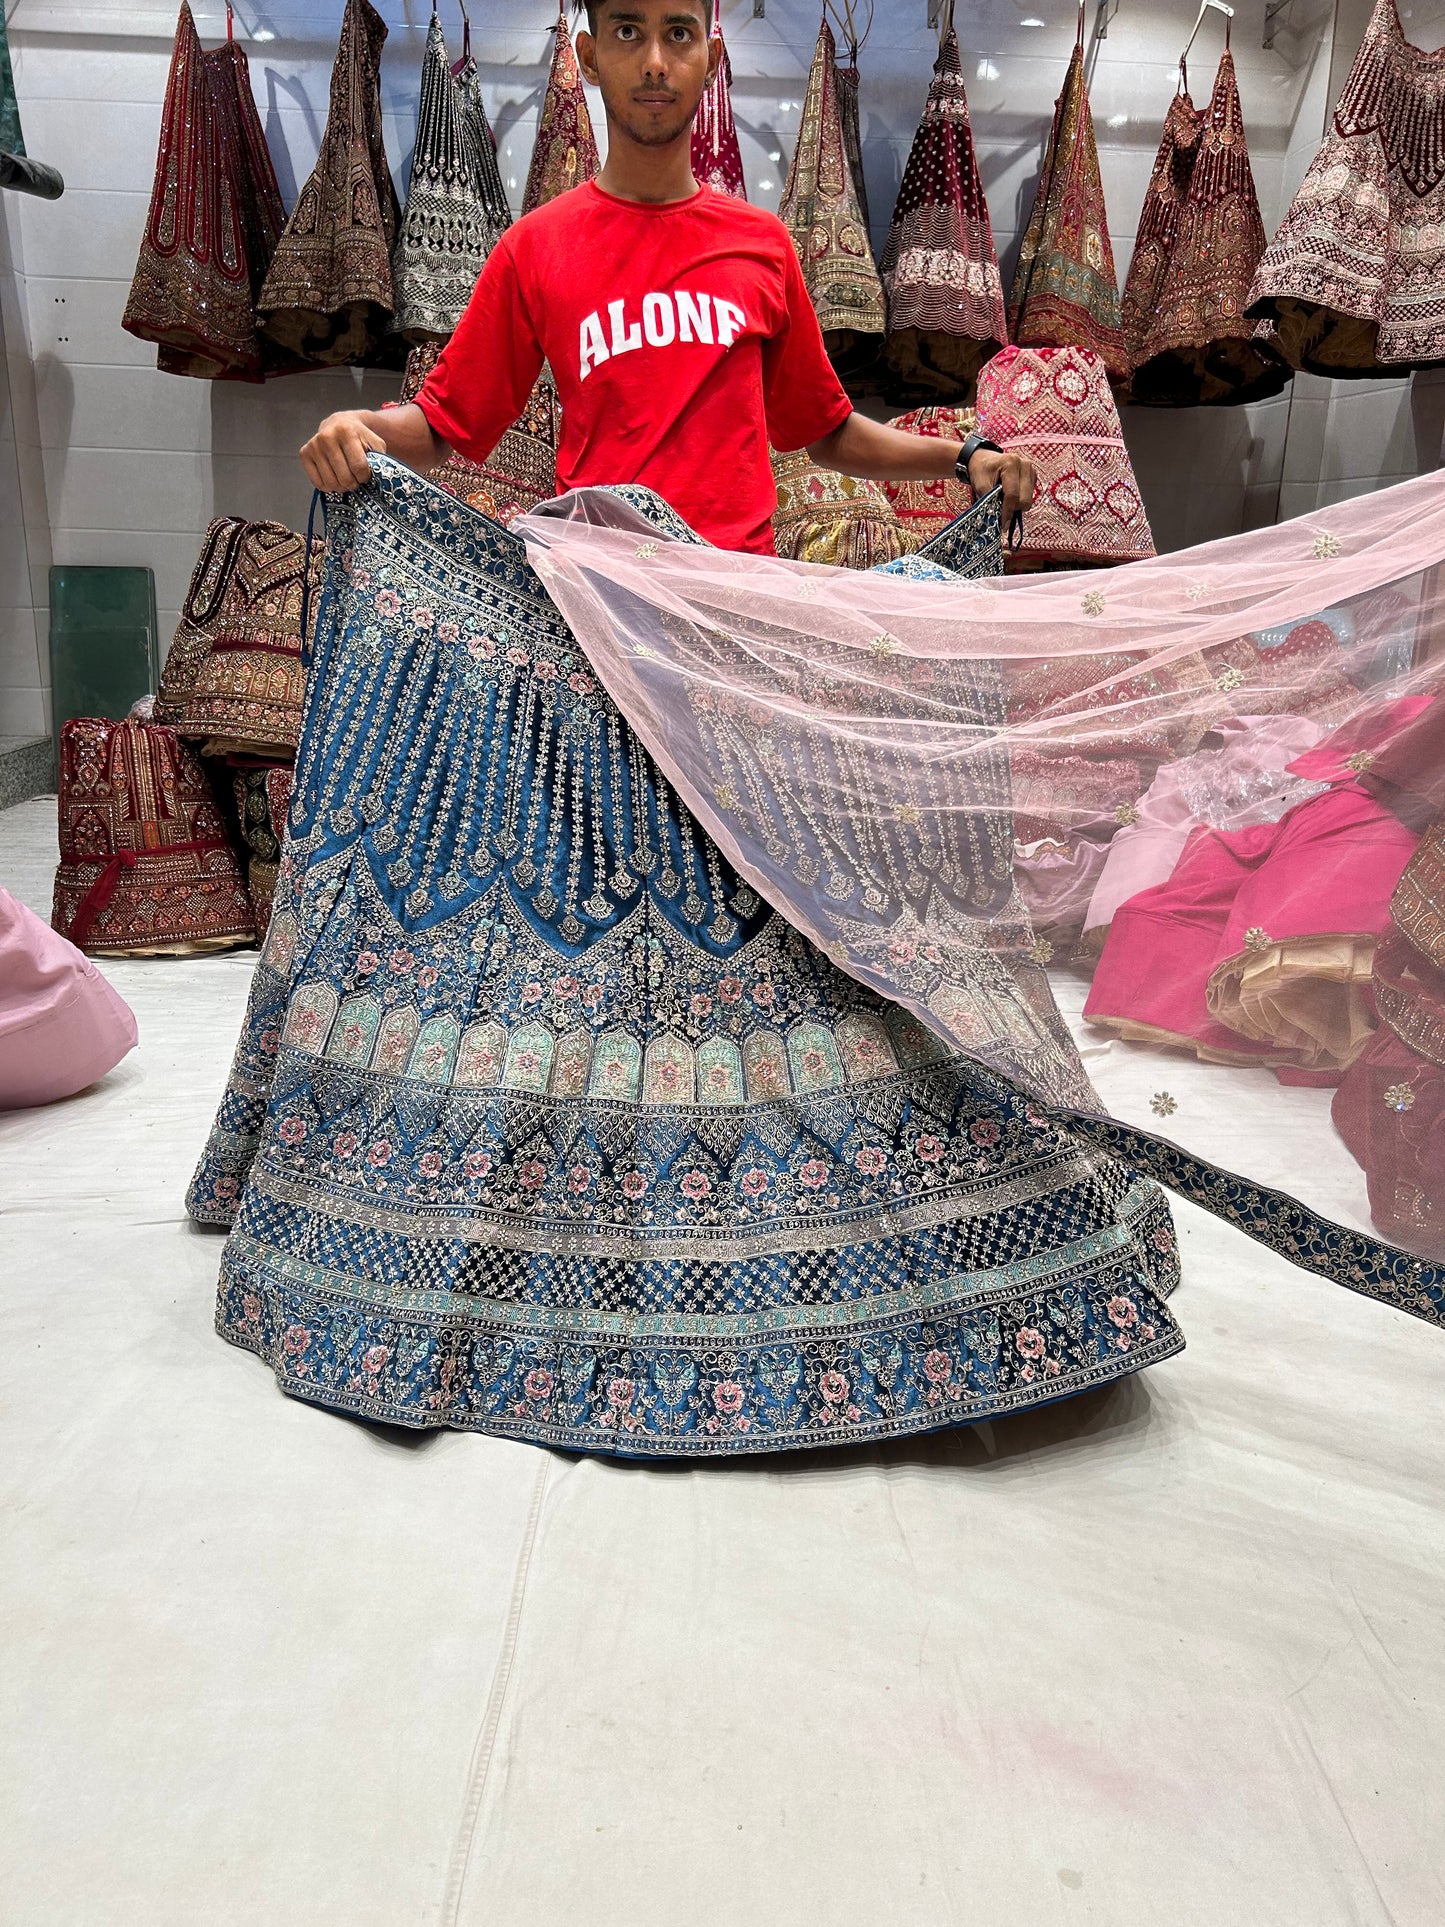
(652, 61)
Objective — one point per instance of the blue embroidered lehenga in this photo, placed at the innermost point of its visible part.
(543, 1123)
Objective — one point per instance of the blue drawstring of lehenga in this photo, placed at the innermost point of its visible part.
(316, 496)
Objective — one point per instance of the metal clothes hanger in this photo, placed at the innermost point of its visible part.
(1219, 6)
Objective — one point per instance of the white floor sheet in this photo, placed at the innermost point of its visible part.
(1165, 1656)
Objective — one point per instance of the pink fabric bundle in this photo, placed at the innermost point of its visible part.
(61, 1024)
(1055, 405)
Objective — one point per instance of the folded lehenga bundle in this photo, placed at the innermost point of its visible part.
(146, 867)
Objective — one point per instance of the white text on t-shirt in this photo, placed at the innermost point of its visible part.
(666, 318)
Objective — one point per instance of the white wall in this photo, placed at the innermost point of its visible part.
(117, 463)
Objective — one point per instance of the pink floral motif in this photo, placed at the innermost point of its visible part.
(374, 1358)
(814, 1062)
(546, 671)
(401, 961)
(380, 1153)
(388, 602)
(292, 1130)
(1030, 1342)
(695, 1185)
(929, 1148)
(634, 1185)
(477, 1164)
(937, 1367)
(448, 631)
(1162, 1238)
(814, 1174)
(901, 951)
(583, 685)
(985, 1131)
(565, 988)
(270, 1041)
(429, 1164)
(730, 989)
(580, 1179)
(718, 1078)
(295, 1339)
(834, 1387)
(422, 617)
(593, 995)
(764, 995)
(1123, 1311)
(518, 657)
(367, 964)
(352, 1037)
(427, 976)
(538, 1382)
(531, 1175)
(699, 1005)
(250, 1307)
(532, 992)
(727, 1396)
(343, 1145)
(669, 1074)
(620, 1393)
(871, 1160)
(754, 1182)
(481, 646)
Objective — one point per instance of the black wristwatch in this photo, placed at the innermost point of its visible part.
(972, 444)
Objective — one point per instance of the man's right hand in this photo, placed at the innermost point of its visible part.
(335, 457)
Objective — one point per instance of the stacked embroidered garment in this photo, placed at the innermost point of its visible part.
(823, 516)
(146, 867)
(925, 508)
(1055, 406)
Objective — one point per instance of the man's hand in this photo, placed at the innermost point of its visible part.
(1014, 473)
(335, 457)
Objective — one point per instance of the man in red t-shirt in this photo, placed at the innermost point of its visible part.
(674, 318)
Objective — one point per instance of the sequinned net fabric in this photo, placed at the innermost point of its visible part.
(565, 152)
(1233, 696)
(328, 293)
(1352, 282)
(544, 1122)
(940, 268)
(214, 220)
(447, 226)
(1198, 245)
(1065, 293)
(821, 210)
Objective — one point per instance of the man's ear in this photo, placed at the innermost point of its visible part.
(714, 56)
(585, 48)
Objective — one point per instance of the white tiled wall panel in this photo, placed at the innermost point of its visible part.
(105, 460)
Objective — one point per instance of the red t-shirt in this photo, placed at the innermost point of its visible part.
(681, 339)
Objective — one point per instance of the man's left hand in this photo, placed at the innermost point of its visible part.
(1013, 473)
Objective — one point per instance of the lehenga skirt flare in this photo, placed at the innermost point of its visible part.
(543, 1123)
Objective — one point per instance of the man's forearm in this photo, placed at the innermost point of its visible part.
(877, 453)
(408, 435)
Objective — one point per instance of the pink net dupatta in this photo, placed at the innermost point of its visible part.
(858, 744)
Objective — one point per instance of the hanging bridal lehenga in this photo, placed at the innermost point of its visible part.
(940, 270)
(1065, 293)
(328, 294)
(214, 221)
(1353, 283)
(1198, 245)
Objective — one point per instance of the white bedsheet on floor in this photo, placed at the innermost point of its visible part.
(1167, 1655)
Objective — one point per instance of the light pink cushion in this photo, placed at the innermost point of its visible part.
(61, 1024)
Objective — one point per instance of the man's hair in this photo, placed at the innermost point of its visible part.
(589, 7)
